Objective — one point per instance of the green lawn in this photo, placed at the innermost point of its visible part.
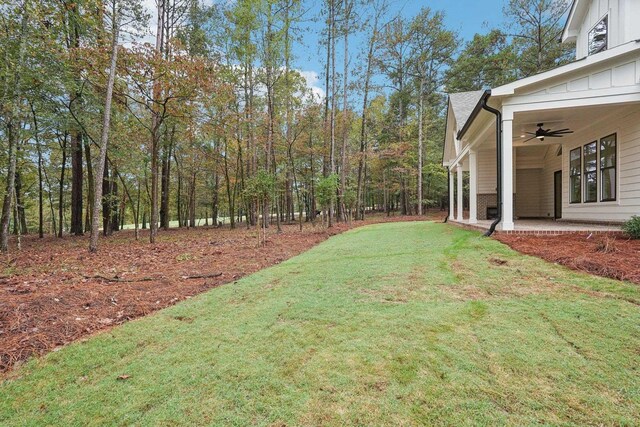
(395, 324)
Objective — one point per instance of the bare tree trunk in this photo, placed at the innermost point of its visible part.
(61, 187)
(192, 201)
(21, 223)
(332, 151)
(36, 136)
(76, 183)
(18, 238)
(136, 214)
(155, 126)
(362, 161)
(345, 114)
(53, 227)
(230, 193)
(179, 209)
(104, 138)
(420, 136)
(114, 202)
(107, 194)
(90, 187)
(75, 133)
(40, 194)
(165, 217)
(12, 135)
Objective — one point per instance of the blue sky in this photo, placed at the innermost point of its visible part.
(467, 17)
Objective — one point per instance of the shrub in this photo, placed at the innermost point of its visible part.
(632, 227)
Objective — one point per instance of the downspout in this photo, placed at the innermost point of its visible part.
(498, 115)
(448, 195)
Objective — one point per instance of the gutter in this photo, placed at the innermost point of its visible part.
(474, 114)
(484, 106)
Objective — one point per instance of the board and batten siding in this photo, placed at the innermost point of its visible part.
(623, 23)
(627, 128)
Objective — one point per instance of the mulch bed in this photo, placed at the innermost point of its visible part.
(54, 291)
(606, 255)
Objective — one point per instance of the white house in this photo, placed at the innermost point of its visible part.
(514, 143)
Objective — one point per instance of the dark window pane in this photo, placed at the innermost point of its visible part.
(590, 187)
(576, 166)
(608, 152)
(590, 157)
(609, 184)
(608, 166)
(575, 189)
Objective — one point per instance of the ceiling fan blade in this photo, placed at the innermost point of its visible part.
(563, 130)
(534, 137)
(551, 135)
(562, 133)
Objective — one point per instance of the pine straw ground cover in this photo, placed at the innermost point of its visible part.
(54, 292)
(608, 255)
(387, 325)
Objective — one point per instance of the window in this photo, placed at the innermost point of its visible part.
(608, 168)
(591, 172)
(575, 166)
(598, 36)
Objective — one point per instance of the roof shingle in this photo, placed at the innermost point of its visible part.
(463, 104)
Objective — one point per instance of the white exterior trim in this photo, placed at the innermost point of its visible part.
(591, 61)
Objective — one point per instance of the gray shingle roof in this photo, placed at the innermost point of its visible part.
(463, 104)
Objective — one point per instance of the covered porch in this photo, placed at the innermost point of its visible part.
(539, 196)
(582, 166)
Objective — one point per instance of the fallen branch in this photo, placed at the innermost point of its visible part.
(119, 280)
(202, 276)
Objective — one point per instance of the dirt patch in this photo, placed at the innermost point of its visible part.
(54, 292)
(605, 255)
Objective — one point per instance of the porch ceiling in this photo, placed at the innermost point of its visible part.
(580, 120)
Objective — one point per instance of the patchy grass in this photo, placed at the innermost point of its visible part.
(394, 324)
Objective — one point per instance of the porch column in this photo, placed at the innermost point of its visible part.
(507, 173)
(473, 187)
(459, 177)
(452, 205)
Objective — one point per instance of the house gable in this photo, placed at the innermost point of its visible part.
(459, 108)
(618, 17)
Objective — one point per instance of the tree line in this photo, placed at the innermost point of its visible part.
(213, 120)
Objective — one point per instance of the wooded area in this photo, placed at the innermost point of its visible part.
(214, 121)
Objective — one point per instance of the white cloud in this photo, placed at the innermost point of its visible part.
(313, 83)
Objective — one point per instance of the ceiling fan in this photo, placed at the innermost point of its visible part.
(541, 133)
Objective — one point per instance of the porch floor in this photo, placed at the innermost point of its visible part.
(544, 226)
